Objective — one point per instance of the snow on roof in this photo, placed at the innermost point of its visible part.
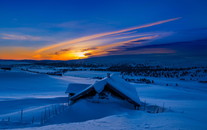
(124, 87)
(116, 83)
(99, 85)
(76, 87)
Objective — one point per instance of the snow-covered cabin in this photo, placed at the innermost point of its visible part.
(114, 85)
(74, 88)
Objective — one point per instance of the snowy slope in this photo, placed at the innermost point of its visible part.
(22, 84)
(33, 92)
(188, 110)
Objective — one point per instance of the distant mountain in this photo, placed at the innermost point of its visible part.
(172, 59)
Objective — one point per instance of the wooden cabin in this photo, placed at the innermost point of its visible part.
(114, 85)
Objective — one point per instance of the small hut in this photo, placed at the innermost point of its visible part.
(114, 85)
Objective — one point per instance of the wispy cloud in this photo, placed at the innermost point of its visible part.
(19, 37)
(91, 37)
(108, 43)
(71, 24)
(143, 51)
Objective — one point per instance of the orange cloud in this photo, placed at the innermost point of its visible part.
(105, 49)
(81, 39)
(88, 46)
(126, 37)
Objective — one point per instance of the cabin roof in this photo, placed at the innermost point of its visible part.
(76, 87)
(116, 83)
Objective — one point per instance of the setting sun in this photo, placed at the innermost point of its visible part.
(80, 55)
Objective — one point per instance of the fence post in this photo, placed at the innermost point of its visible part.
(21, 118)
(49, 113)
(45, 115)
(144, 105)
(56, 110)
(33, 120)
(163, 107)
(155, 109)
(42, 118)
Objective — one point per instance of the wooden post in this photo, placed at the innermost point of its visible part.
(41, 120)
(45, 115)
(49, 115)
(163, 107)
(68, 99)
(55, 110)
(21, 119)
(136, 107)
(108, 75)
(32, 119)
(154, 108)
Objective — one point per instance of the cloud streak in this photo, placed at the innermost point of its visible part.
(19, 37)
(108, 43)
(91, 37)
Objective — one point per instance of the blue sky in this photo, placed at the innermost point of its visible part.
(30, 25)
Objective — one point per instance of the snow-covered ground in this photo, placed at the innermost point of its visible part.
(188, 112)
(186, 106)
(21, 84)
(174, 82)
(4, 62)
(88, 74)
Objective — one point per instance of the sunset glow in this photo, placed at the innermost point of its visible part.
(97, 44)
(103, 64)
(65, 33)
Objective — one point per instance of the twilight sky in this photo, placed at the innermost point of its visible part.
(76, 29)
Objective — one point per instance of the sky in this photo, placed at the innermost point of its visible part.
(78, 29)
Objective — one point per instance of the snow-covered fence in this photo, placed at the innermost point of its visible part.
(51, 112)
(32, 118)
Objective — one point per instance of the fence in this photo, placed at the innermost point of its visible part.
(31, 118)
